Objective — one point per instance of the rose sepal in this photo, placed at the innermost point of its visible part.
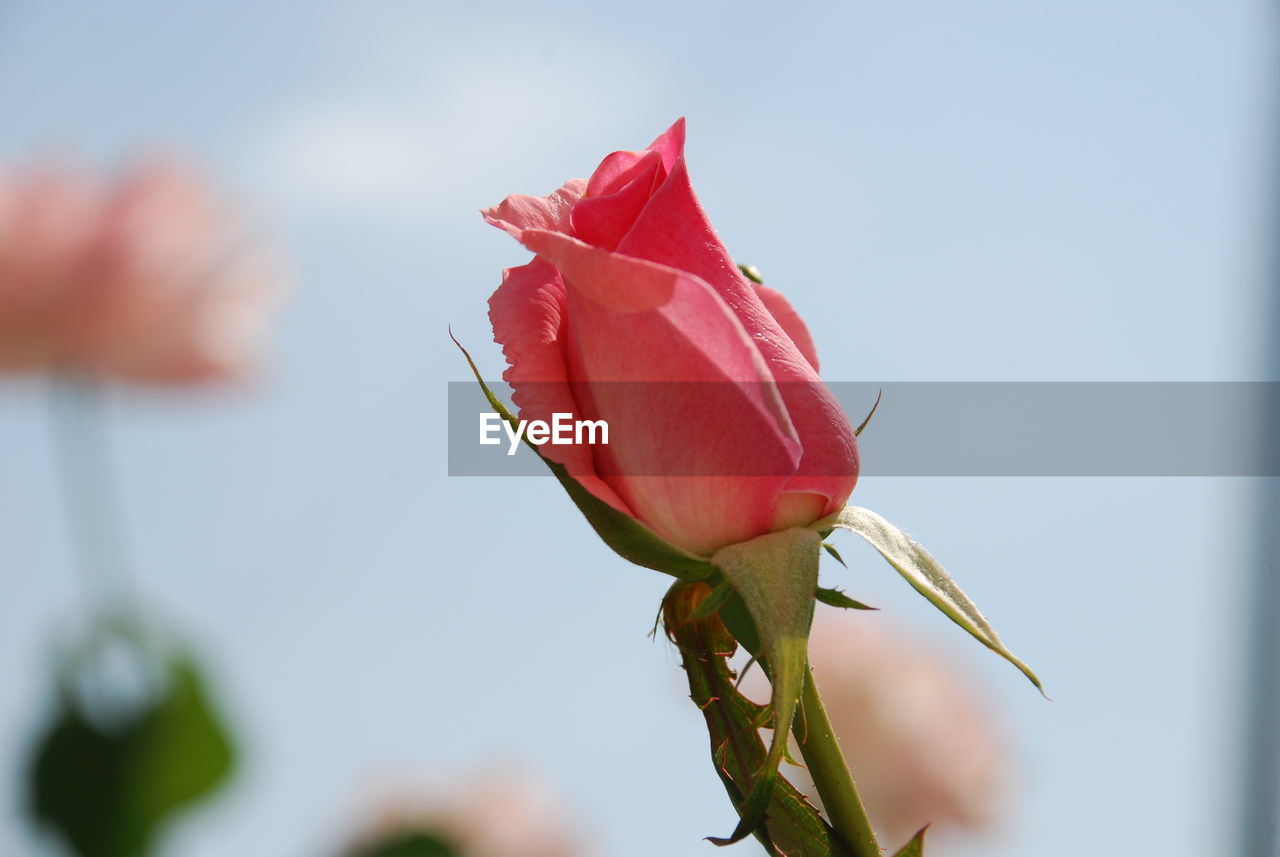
(774, 577)
(628, 538)
(925, 574)
(837, 598)
(914, 848)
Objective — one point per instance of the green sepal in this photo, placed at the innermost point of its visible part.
(867, 419)
(720, 594)
(914, 848)
(836, 598)
(628, 538)
(775, 576)
(926, 575)
(831, 549)
(738, 620)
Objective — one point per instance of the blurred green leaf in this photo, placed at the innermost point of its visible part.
(408, 844)
(926, 575)
(108, 784)
(628, 538)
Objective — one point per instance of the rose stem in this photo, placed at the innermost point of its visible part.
(831, 774)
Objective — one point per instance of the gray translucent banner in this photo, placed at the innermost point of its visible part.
(961, 429)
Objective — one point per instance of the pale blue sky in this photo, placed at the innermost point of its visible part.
(985, 191)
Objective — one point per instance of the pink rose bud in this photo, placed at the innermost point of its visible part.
(145, 280)
(730, 434)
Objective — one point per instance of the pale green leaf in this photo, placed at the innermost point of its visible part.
(926, 574)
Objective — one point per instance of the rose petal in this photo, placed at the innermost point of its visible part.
(634, 321)
(538, 212)
(790, 321)
(527, 312)
(160, 235)
(592, 268)
(674, 230)
(619, 168)
(52, 214)
(670, 144)
(601, 221)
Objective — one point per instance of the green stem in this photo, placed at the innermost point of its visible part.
(831, 774)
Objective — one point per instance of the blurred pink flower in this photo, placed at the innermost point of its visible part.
(923, 748)
(142, 279)
(498, 815)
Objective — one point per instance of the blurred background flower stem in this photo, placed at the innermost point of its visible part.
(90, 491)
